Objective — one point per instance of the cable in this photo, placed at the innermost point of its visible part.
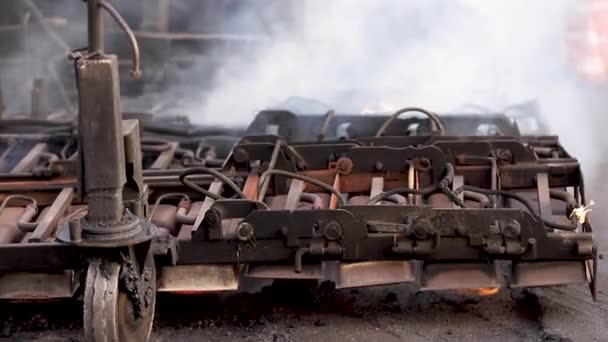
(306, 179)
(443, 183)
(217, 174)
(523, 201)
(434, 118)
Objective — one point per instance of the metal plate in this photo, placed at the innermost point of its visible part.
(285, 272)
(458, 276)
(374, 273)
(37, 286)
(549, 273)
(198, 278)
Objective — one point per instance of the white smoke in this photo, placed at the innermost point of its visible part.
(430, 53)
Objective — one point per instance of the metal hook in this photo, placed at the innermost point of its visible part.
(136, 71)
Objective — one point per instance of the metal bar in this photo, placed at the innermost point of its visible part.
(47, 225)
(544, 199)
(333, 201)
(216, 188)
(271, 165)
(457, 182)
(46, 256)
(165, 158)
(293, 195)
(250, 189)
(31, 158)
(377, 186)
(411, 182)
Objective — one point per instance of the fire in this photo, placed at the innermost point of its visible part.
(487, 291)
(482, 291)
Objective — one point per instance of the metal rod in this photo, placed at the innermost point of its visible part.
(271, 165)
(95, 22)
(136, 71)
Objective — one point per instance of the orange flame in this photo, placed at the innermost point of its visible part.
(487, 291)
(482, 291)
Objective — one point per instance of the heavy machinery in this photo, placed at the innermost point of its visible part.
(117, 207)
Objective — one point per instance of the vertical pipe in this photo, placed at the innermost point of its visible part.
(95, 22)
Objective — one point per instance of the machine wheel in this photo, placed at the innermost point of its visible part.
(110, 311)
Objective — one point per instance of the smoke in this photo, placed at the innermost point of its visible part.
(393, 53)
(36, 37)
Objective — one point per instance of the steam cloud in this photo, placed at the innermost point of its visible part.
(393, 53)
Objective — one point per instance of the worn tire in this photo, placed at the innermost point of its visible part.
(108, 315)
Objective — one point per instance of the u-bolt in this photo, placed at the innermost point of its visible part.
(136, 71)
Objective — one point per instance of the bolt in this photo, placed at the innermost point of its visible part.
(344, 165)
(379, 166)
(511, 229)
(423, 164)
(332, 231)
(244, 232)
(240, 155)
(504, 155)
(422, 229)
(212, 217)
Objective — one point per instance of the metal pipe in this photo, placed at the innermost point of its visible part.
(95, 26)
(182, 216)
(563, 196)
(307, 179)
(434, 118)
(24, 223)
(442, 184)
(201, 169)
(483, 200)
(136, 71)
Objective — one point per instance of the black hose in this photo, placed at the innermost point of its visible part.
(306, 179)
(564, 196)
(434, 118)
(316, 201)
(215, 173)
(444, 183)
(483, 200)
(523, 201)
